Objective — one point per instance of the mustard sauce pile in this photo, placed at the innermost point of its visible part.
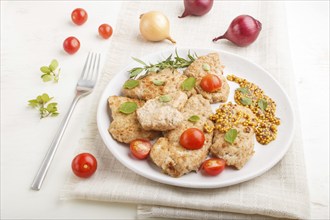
(251, 96)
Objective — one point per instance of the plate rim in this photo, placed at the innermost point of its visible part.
(225, 183)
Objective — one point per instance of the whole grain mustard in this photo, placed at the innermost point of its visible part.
(264, 122)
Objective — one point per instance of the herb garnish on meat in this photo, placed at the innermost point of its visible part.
(171, 62)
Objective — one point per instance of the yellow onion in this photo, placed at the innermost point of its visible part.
(155, 26)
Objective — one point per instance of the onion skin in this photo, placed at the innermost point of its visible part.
(155, 26)
(242, 31)
(196, 7)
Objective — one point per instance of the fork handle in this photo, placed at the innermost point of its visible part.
(41, 174)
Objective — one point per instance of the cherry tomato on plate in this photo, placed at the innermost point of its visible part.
(214, 166)
(140, 148)
(84, 165)
(211, 83)
(71, 45)
(105, 31)
(79, 16)
(192, 139)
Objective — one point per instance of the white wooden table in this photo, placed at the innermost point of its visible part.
(31, 36)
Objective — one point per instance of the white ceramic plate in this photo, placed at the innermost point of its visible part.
(265, 157)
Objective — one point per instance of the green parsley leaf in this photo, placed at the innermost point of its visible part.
(45, 98)
(54, 114)
(128, 107)
(231, 135)
(206, 67)
(46, 77)
(53, 65)
(262, 104)
(45, 69)
(51, 107)
(131, 83)
(165, 98)
(158, 82)
(194, 118)
(136, 71)
(188, 84)
(33, 103)
(39, 99)
(243, 90)
(50, 72)
(40, 104)
(246, 101)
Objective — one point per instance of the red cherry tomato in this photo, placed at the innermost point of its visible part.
(211, 83)
(71, 45)
(79, 16)
(84, 165)
(192, 139)
(105, 31)
(214, 166)
(140, 148)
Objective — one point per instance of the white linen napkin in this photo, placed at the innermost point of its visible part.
(281, 192)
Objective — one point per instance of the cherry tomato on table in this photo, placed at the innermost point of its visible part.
(71, 45)
(140, 148)
(79, 16)
(211, 83)
(105, 31)
(84, 165)
(214, 166)
(192, 139)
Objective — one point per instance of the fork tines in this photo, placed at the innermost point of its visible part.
(91, 67)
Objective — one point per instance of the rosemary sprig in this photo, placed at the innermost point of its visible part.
(171, 62)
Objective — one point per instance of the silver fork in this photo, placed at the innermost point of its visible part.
(84, 87)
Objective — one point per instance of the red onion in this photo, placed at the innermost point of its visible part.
(196, 7)
(242, 31)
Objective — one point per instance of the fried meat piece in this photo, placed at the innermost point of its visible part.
(169, 155)
(148, 88)
(197, 69)
(160, 115)
(126, 127)
(238, 153)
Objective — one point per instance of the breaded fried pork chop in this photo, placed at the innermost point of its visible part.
(198, 70)
(163, 112)
(168, 81)
(238, 153)
(169, 155)
(126, 127)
